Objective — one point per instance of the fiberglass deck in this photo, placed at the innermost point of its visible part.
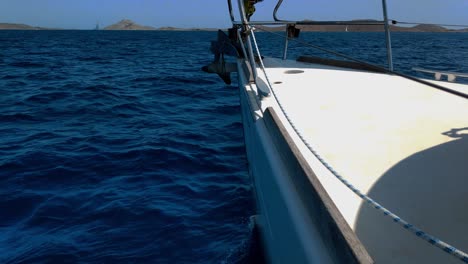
(402, 143)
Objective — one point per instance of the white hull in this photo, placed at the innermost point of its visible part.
(381, 145)
(289, 231)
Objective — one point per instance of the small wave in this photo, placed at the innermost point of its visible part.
(146, 79)
(90, 58)
(129, 52)
(10, 77)
(44, 76)
(250, 250)
(37, 53)
(17, 208)
(98, 88)
(227, 109)
(181, 91)
(18, 117)
(53, 212)
(145, 154)
(16, 83)
(42, 136)
(179, 79)
(100, 92)
(26, 64)
(107, 77)
(130, 109)
(103, 62)
(48, 97)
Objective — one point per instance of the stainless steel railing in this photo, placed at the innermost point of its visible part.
(244, 22)
(249, 43)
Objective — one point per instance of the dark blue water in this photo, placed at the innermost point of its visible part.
(116, 148)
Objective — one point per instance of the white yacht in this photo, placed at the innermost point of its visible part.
(351, 162)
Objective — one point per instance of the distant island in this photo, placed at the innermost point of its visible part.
(126, 24)
(368, 28)
(6, 26)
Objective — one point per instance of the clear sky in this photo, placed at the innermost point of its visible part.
(84, 14)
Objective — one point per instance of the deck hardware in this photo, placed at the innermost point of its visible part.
(451, 76)
(223, 46)
(293, 31)
(293, 71)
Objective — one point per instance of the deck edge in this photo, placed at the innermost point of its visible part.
(334, 229)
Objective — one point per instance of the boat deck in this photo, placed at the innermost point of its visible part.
(401, 142)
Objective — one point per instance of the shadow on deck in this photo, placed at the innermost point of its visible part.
(429, 190)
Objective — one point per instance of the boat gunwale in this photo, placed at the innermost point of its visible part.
(334, 230)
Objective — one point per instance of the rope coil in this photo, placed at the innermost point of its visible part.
(396, 219)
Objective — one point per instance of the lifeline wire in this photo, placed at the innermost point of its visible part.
(418, 232)
(433, 85)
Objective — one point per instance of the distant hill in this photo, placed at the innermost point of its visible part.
(186, 29)
(429, 28)
(368, 28)
(169, 28)
(18, 27)
(126, 24)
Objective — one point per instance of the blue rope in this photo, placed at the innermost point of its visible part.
(396, 219)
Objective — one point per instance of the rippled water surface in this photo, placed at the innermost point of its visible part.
(115, 147)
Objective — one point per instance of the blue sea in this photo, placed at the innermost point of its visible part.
(116, 148)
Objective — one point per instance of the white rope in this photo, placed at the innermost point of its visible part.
(396, 219)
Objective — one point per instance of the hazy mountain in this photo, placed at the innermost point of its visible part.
(368, 28)
(18, 26)
(127, 24)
